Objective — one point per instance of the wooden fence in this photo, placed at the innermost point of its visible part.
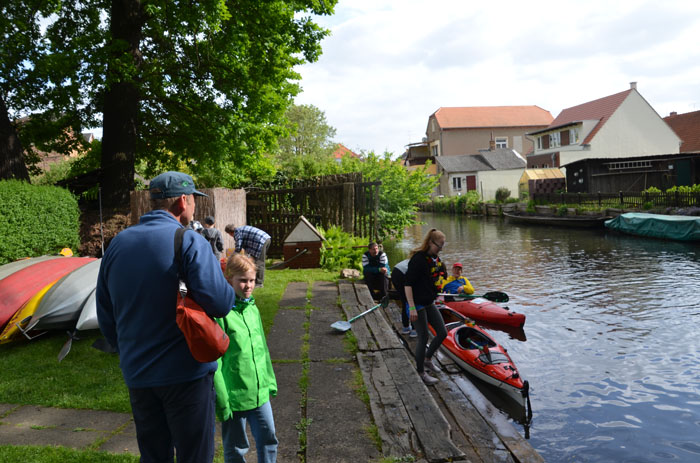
(637, 200)
(352, 206)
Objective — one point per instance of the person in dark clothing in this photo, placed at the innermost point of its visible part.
(375, 268)
(424, 277)
(398, 279)
(213, 235)
(172, 394)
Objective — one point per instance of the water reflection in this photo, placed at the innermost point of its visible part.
(611, 349)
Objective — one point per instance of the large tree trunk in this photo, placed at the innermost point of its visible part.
(121, 104)
(11, 158)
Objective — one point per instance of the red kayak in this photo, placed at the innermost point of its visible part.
(481, 309)
(19, 287)
(468, 345)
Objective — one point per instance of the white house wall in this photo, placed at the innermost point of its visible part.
(634, 129)
(487, 182)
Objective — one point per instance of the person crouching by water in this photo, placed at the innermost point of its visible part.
(425, 272)
(375, 269)
(245, 380)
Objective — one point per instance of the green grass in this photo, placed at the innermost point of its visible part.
(90, 379)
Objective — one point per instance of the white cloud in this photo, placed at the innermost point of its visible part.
(389, 64)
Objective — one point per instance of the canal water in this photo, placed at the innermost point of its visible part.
(612, 343)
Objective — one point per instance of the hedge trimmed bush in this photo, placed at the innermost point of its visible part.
(36, 220)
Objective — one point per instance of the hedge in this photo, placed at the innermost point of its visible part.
(36, 220)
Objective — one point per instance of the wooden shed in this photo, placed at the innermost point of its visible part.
(303, 237)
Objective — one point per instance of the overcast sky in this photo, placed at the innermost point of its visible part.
(389, 64)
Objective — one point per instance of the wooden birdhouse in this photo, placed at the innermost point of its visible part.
(302, 247)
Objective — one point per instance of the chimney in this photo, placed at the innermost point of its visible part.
(633, 85)
(673, 113)
(492, 145)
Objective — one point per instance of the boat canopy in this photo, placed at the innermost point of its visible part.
(673, 227)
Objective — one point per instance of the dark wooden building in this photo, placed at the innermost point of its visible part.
(611, 175)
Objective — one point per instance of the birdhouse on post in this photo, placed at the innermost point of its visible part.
(302, 247)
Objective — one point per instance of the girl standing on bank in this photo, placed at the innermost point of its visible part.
(423, 279)
(245, 381)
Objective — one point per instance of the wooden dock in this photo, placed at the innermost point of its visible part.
(451, 421)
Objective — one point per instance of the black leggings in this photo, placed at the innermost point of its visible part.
(428, 314)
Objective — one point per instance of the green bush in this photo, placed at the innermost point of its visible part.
(562, 210)
(502, 194)
(341, 250)
(36, 220)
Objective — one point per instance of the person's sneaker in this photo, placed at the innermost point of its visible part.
(413, 334)
(428, 364)
(405, 330)
(427, 379)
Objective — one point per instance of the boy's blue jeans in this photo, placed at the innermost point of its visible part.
(262, 426)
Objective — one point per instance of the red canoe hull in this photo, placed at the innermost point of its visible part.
(481, 309)
(19, 287)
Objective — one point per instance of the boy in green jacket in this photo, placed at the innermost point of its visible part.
(245, 381)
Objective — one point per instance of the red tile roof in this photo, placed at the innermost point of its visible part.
(341, 151)
(687, 127)
(600, 109)
(492, 116)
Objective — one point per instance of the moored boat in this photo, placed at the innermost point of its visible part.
(574, 221)
(671, 227)
(470, 347)
(482, 309)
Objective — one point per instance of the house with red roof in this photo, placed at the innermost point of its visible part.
(454, 131)
(622, 125)
(341, 151)
(687, 127)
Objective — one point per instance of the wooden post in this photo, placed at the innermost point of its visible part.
(348, 207)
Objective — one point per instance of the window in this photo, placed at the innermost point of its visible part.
(501, 142)
(435, 150)
(539, 143)
(554, 140)
(629, 165)
(573, 136)
(456, 183)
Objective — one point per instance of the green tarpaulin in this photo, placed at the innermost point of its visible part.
(672, 227)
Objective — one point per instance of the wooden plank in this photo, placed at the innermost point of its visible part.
(383, 333)
(390, 415)
(365, 340)
(431, 427)
(347, 292)
(516, 444)
(484, 443)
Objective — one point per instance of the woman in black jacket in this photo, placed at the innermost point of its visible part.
(423, 278)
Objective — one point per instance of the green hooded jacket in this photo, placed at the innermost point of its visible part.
(244, 379)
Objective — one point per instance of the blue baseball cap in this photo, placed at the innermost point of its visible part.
(172, 184)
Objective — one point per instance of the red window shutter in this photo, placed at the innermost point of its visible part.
(471, 182)
(545, 142)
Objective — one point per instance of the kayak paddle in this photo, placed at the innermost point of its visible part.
(342, 325)
(493, 296)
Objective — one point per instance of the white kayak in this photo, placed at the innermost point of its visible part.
(61, 306)
(88, 314)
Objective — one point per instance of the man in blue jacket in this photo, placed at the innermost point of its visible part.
(375, 269)
(172, 395)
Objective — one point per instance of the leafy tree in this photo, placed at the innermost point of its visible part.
(205, 86)
(306, 150)
(45, 79)
(401, 191)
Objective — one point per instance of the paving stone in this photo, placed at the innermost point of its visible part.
(286, 334)
(286, 409)
(324, 295)
(295, 295)
(325, 342)
(26, 435)
(69, 419)
(338, 419)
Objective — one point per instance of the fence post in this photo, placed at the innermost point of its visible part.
(348, 213)
(600, 200)
(622, 200)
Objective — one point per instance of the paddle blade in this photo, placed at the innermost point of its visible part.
(65, 349)
(341, 325)
(496, 296)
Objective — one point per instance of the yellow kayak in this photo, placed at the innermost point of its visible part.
(23, 315)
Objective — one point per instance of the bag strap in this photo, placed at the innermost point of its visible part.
(178, 259)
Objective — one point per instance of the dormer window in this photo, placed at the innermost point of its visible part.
(573, 136)
(554, 139)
